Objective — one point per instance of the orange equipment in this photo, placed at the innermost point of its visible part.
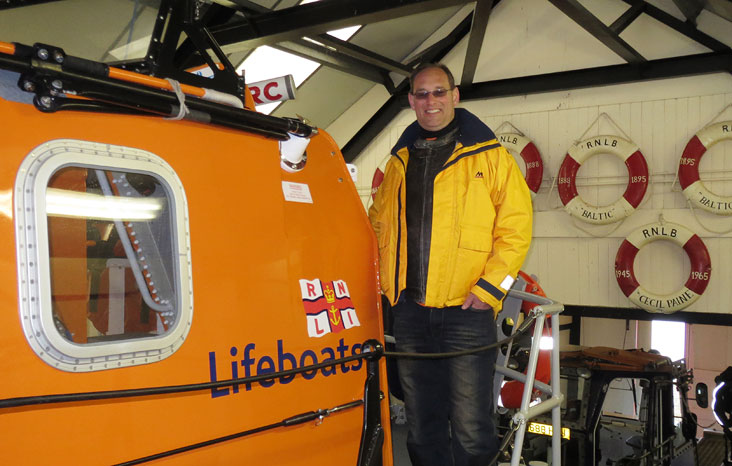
(512, 391)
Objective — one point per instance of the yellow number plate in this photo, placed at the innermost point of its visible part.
(546, 429)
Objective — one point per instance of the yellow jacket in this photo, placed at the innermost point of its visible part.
(481, 220)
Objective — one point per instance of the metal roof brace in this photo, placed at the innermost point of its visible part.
(180, 31)
(546, 307)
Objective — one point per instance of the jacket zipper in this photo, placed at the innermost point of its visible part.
(398, 243)
(425, 182)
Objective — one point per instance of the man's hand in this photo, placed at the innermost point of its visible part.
(475, 302)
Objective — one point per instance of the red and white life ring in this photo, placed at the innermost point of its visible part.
(701, 267)
(693, 187)
(633, 195)
(523, 146)
(378, 177)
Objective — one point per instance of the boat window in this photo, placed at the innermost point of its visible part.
(103, 256)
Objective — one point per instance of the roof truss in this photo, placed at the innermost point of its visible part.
(597, 28)
(482, 12)
(301, 30)
(637, 68)
(713, 62)
(317, 18)
(322, 47)
(686, 28)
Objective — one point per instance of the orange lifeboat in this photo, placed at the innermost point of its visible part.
(179, 292)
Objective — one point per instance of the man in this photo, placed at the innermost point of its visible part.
(453, 222)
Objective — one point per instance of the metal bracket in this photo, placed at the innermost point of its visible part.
(181, 18)
(372, 437)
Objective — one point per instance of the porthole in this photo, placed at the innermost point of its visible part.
(103, 255)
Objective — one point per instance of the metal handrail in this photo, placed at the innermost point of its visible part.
(546, 307)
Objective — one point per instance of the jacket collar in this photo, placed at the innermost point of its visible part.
(471, 131)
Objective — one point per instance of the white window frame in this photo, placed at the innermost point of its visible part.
(33, 260)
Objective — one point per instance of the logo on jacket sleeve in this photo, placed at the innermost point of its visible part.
(479, 174)
(328, 307)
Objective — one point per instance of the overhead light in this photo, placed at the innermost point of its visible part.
(65, 203)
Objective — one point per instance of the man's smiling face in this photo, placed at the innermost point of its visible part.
(433, 113)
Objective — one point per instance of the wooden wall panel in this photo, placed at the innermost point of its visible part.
(574, 260)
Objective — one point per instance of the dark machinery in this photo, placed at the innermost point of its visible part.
(619, 410)
(722, 407)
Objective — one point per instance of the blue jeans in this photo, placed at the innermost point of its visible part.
(449, 402)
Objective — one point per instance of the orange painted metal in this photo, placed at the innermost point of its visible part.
(151, 81)
(249, 247)
(7, 48)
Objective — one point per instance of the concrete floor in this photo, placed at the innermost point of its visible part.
(399, 444)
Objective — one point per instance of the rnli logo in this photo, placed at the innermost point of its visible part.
(328, 307)
(479, 174)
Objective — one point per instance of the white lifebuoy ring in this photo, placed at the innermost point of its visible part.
(378, 177)
(633, 195)
(701, 267)
(523, 146)
(693, 187)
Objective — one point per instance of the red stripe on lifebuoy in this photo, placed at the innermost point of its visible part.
(376, 182)
(637, 179)
(624, 268)
(637, 168)
(378, 177)
(701, 265)
(693, 187)
(521, 146)
(534, 166)
(567, 174)
(689, 163)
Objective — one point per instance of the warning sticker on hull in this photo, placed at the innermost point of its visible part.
(297, 192)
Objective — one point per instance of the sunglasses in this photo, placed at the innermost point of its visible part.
(437, 93)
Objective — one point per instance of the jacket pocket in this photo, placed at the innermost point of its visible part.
(474, 246)
(476, 239)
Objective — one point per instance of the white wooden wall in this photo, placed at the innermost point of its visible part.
(575, 260)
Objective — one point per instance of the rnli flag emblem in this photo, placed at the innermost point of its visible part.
(328, 307)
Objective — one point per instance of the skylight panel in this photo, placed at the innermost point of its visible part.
(268, 63)
(344, 33)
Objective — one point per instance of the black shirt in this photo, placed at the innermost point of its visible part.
(427, 156)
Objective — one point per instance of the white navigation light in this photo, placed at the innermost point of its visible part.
(292, 153)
